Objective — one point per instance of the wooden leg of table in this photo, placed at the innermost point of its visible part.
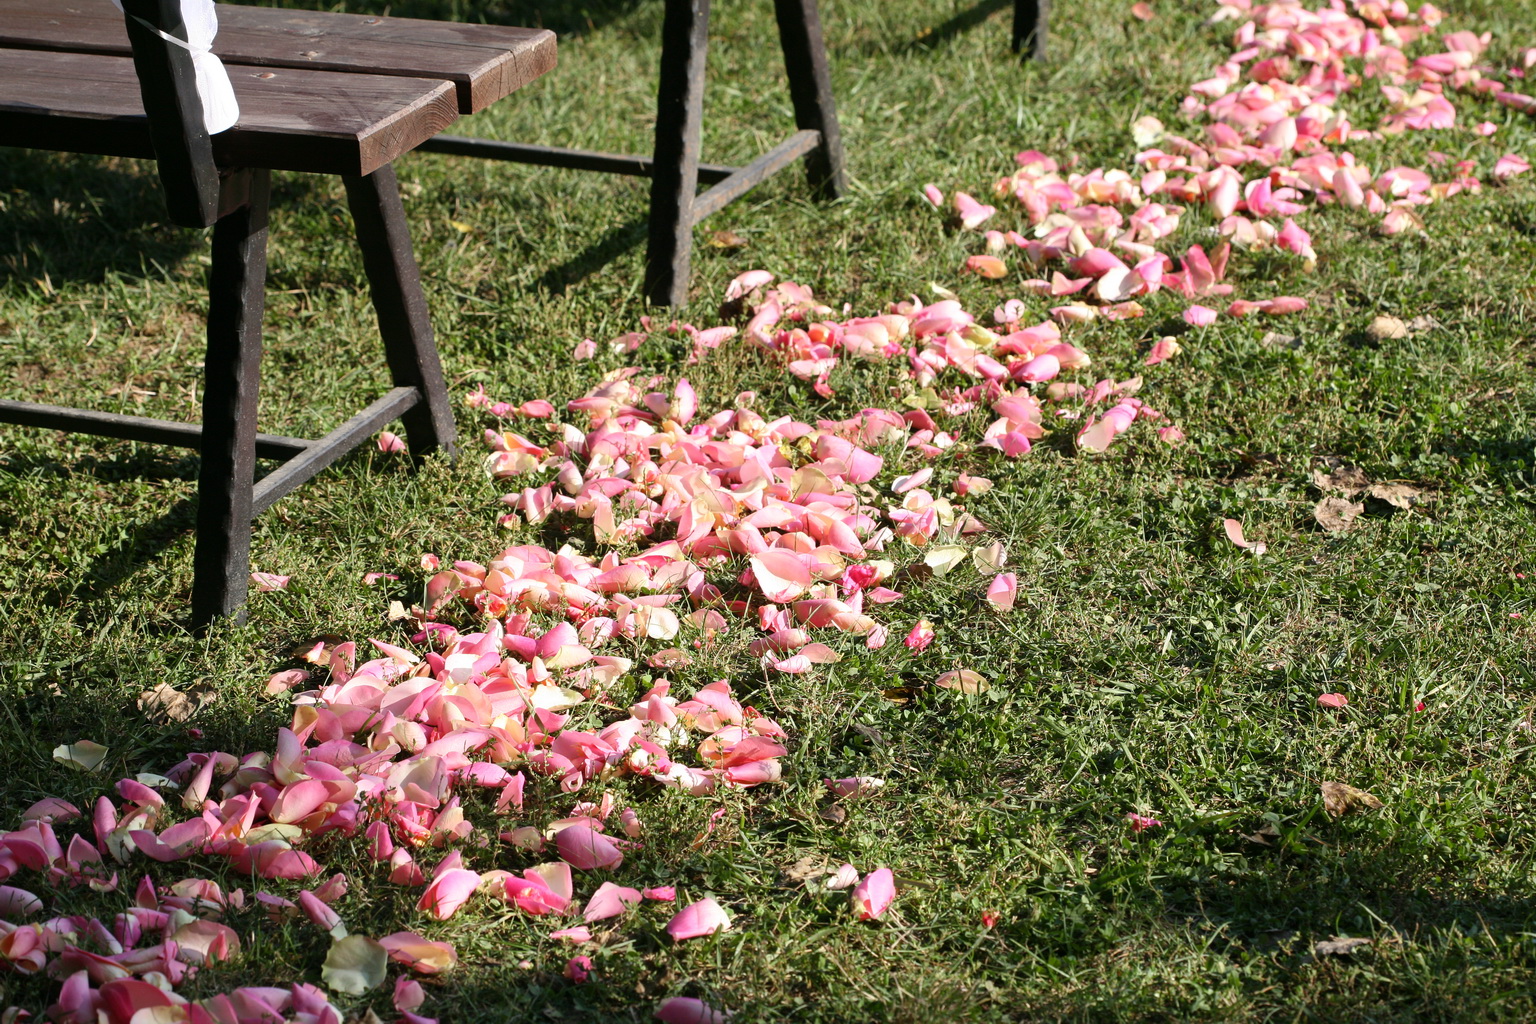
(395, 283)
(231, 378)
(810, 87)
(675, 173)
(1031, 23)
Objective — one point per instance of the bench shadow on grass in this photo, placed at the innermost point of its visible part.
(75, 218)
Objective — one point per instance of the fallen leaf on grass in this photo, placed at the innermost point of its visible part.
(963, 681)
(726, 240)
(1346, 480)
(1339, 945)
(1403, 496)
(1423, 323)
(1386, 328)
(1340, 798)
(165, 703)
(805, 867)
(1336, 514)
(1276, 340)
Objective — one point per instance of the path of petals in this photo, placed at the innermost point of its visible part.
(1270, 145)
(708, 522)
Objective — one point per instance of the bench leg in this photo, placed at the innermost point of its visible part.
(810, 87)
(231, 377)
(394, 280)
(675, 173)
(1031, 22)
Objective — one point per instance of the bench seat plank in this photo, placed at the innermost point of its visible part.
(290, 119)
(484, 62)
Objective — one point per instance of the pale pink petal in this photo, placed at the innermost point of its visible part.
(874, 894)
(1234, 531)
(1002, 592)
(609, 901)
(697, 919)
(587, 849)
(1510, 165)
(390, 442)
(448, 892)
(687, 1010)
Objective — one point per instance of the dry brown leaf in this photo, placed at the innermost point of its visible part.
(805, 867)
(1423, 323)
(726, 240)
(165, 703)
(1397, 495)
(1336, 514)
(1339, 945)
(1340, 798)
(1346, 480)
(1275, 340)
(1386, 328)
(835, 813)
(963, 681)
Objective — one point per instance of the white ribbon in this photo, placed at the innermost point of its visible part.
(220, 111)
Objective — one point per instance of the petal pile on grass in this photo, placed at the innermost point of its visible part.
(1268, 142)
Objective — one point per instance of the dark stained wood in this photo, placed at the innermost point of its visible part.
(231, 378)
(552, 156)
(168, 87)
(484, 62)
(1031, 26)
(332, 446)
(395, 283)
(755, 173)
(291, 120)
(135, 428)
(810, 88)
(675, 170)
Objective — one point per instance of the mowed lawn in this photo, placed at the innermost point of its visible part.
(1150, 666)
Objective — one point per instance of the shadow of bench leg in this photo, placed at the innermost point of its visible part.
(1031, 24)
(394, 281)
(675, 173)
(810, 87)
(231, 378)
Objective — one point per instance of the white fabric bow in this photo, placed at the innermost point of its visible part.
(220, 110)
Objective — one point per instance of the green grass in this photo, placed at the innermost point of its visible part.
(1151, 667)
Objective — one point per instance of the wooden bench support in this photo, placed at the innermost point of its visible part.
(396, 404)
(749, 177)
(675, 174)
(395, 283)
(553, 156)
(232, 376)
(810, 89)
(1031, 25)
(135, 428)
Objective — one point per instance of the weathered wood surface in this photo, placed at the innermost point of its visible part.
(290, 119)
(754, 174)
(168, 87)
(484, 62)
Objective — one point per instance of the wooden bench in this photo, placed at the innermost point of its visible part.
(326, 93)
